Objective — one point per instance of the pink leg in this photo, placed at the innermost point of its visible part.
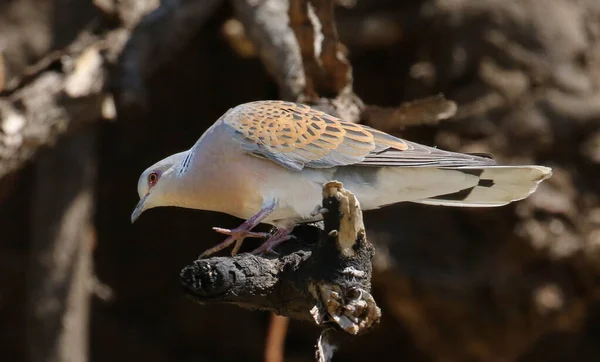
(243, 231)
(281, 235)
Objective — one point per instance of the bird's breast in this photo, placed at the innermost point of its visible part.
(237, 183)
(296, 193)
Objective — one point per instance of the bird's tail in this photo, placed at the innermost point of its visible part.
(497, 186)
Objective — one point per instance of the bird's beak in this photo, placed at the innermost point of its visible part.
(141, 206)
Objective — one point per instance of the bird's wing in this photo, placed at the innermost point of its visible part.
(297, 136)
(417, 155)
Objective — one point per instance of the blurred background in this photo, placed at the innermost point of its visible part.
(94, 91)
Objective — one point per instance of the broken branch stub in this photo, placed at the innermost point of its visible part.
(327, 282)
(342, 289)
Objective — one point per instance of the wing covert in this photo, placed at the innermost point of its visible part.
(297, 136)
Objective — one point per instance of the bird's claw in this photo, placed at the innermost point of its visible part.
(267, 246)
(236, 236)
(240, 233)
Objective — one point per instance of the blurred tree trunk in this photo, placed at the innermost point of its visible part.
(62, 242)
(520, 282)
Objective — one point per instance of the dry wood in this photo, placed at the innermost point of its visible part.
(327, 282)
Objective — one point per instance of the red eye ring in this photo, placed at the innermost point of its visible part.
(152, 179)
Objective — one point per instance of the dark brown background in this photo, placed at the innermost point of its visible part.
(518, 283)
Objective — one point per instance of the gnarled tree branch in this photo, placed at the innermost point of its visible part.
(69, 88)
(327, 283)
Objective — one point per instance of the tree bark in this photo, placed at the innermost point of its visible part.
(328, 283)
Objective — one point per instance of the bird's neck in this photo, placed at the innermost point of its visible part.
(200, 186)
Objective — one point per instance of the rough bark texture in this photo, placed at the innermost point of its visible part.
(506, 284)
(328, 283)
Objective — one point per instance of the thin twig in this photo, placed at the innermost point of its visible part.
(275, 343)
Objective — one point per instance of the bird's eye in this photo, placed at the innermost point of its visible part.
(152, 179)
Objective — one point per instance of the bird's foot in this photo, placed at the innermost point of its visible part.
(236, 236)
(277, 238)
(240, 233)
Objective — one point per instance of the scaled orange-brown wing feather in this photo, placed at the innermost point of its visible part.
(297, 136)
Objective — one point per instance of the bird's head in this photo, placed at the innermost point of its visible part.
(155, 182)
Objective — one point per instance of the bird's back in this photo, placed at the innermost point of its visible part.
(285, 151)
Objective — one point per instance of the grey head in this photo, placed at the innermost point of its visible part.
(156, 182)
